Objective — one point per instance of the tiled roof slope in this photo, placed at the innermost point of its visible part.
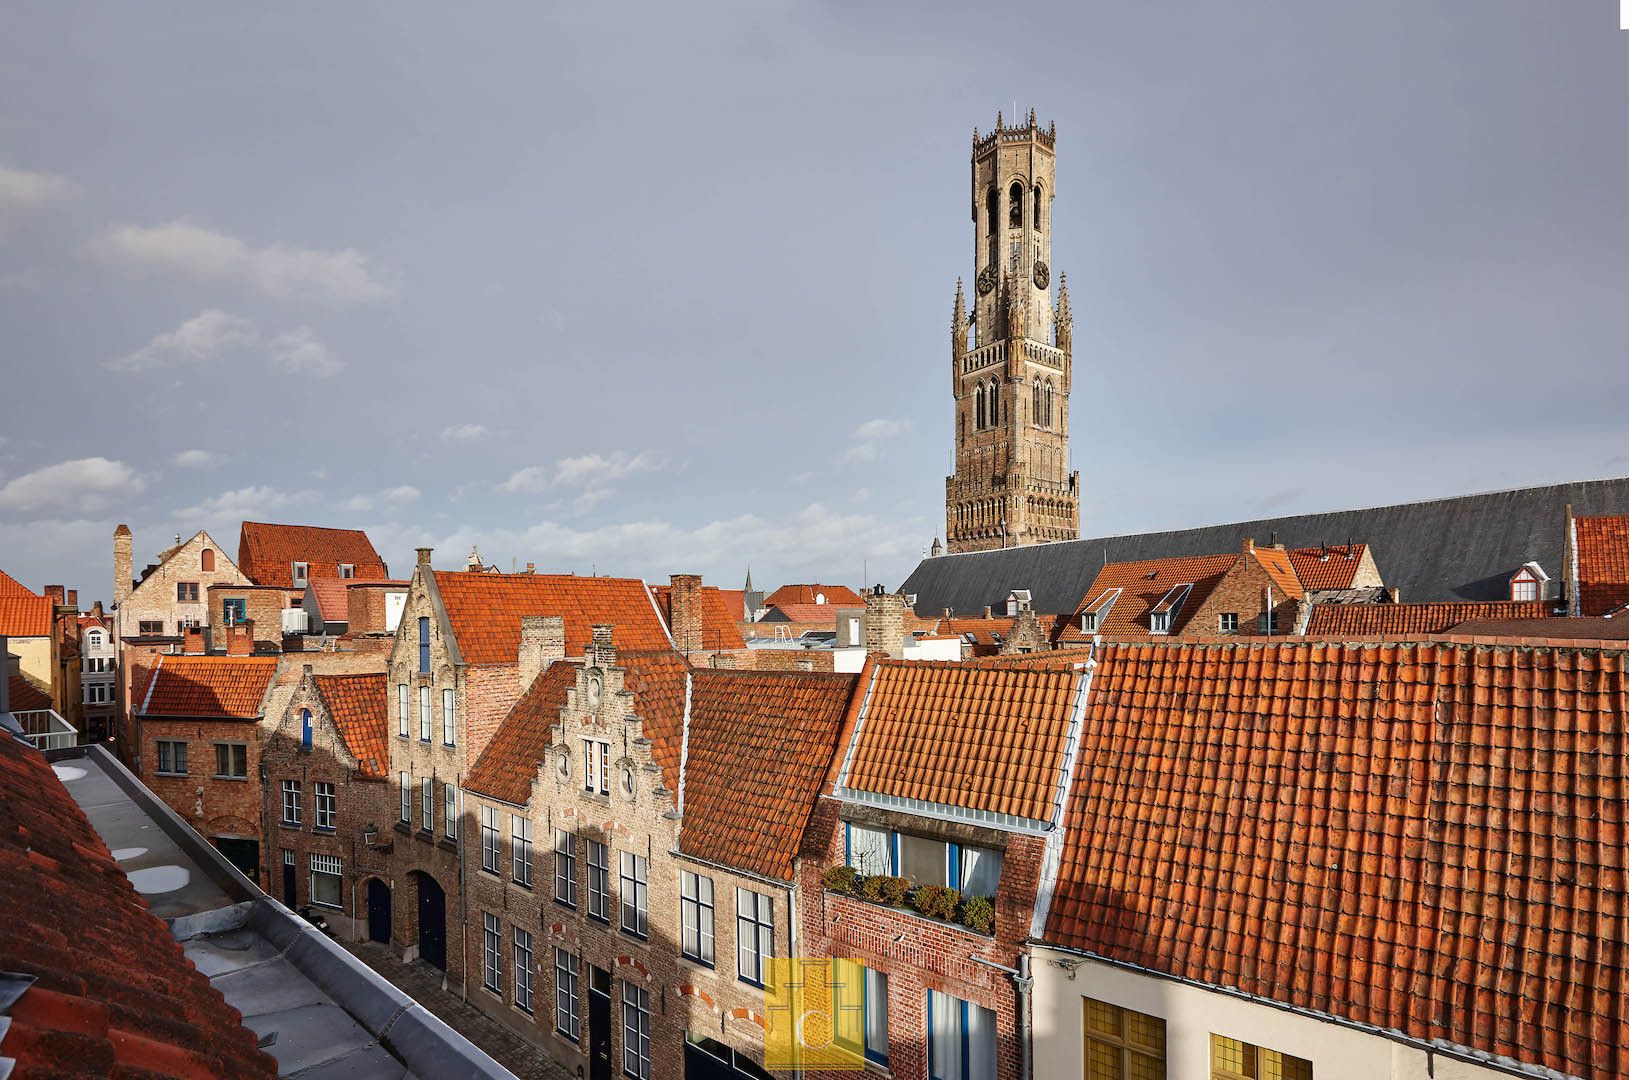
(1423, 838)
(508, 766)
(1357, 620)
(657, 681)
(1580, 628)
(332, 603)
(25, 615)
(720, 615)
(10, 586)
(485, 611)
(760, 746)
(814, 614)
(1279, 567)
(1144, 584)
(266, 553)
(1327, 567)
(1462, 548)
(838, 595)
(359, 706)
(210, 687)
(984, 738)
(1603, 563)
(27, 697)
(114, 996)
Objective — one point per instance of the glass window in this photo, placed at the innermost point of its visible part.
(232, 760)
(186, 592)
(1159, 622)
(872, 987)
(599, 881)
(1265, 623)
(923, 861)
(424, 646)
(520, 835)
(869, 850)
(424, 713)
(1524, 589)
(327, 883)
(635, 913)
(347, 570)
(489, 839)
(596, 766)
(491, 953)
(635, 1031)
(305, 729)
(172, 757)
(448, 721)
(407, 800)
(1234, 1059)
(523, 969)
(1228, 622)
(754, 934)
(565, 867)
(401, 709)
(427, 806)
(450, 811)
(961, 1039)
(696, 916)
(324, 804)
(567, 1005)
(299, 572)
(291, 802)
(1121, 1043)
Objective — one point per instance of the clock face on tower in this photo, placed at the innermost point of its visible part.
(1042, 275)
(986, 280)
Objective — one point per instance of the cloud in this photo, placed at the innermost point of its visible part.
(79, 486)
(583, 471)
(22, 193)
(464, 433)
(252, 502)
(866, 437)
(299, 352)
(205, 255)
(198, 459)
(390, 497)
(202, 339)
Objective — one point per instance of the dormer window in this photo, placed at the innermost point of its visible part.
(1159, 622)
(1088, 622)
(300, 572)
(347, 570)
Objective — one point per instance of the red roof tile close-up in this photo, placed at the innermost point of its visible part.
(720, 615)
(359, 706)
(207, 687)
(267, 553)
(657, 682)
(28, 697)
(485, 611)
(25, 615)
(1332, 566)
(508, 766)
(10, 586)
(821, 615)
(1603, 563)
(113, 995)
(1359, 620)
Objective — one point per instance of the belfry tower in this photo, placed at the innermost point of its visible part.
(1010, 357)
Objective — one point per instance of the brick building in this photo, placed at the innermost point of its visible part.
(292, 556)
(173, 591)
(258, 607)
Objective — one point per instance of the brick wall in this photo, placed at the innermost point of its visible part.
(212, 805)
(1243, 590)
(156, 598)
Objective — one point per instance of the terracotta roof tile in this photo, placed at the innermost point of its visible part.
(360, 708)
(1358, 620)
(979, 632)
(836, 595)
(760, 746)
(1581, 628)
(485, 611)
(1327, 567)
(209, 687)
(1281, 569)
(333, 605)
(1603, 563)
(1143, 585)
(266, 553)
(114, 995)
(509, 764)
(657, 681)
(720, 615)
(813, 614)
(1421, 838)
(10, 586)
(25, 616)
(982, 737)
(26, 696)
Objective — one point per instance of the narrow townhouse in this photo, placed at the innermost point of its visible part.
(98, 679)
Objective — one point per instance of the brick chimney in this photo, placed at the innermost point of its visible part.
(192, 641)
(684, 612)
(542, 642)
(884, 627)
(56, 593)
(122, 563)
(73, 599)
(240, 639)
(601, 651)
(1249, 545)
(424, 557)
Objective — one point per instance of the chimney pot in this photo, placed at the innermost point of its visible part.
(1249, 545)
(684, 611)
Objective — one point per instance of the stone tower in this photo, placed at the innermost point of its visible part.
(1010, 359)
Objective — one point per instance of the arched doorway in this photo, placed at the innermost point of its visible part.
(432, 921)
(378, 911)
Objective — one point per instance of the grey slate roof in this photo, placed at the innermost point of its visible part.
(1463, 548)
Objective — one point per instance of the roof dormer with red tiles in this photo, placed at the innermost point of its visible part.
(292, 556)
(1598, 550)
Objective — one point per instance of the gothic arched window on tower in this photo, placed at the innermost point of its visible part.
(1038, 201)
(1048, 401)
(1035, 402)
(990, 210)
(995, 402)
(978, 398)
(1015, 206)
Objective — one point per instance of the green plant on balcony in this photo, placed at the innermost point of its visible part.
(978, 913)
(841, 879)
(936, 901)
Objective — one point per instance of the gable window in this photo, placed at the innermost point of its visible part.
(231, 760)
(565, 867)
(599, 881)
(489, 839)
(491, 953)
(346, 570)
(300, 572)
(448, 720)
(696, 916)
(635, 1031)
(424, 714)
(407, 801)
(427, 806)
(567, 1006)
(234, 610)
(186, 592)
(754, 934)
(596, 766)
(94, 639)
(961, 1040)
(1159, 622)
(523, 970)
(1120, 1042)
(1234, 1059)
(1088, 621)
(305, 729)
(520, 835)
(424, 645)
(150, 626)
(291, 802)
(323, 800)
(1228, 622)
(635, 910)
(206, 560)
(449, 814)
(401, 709)
(327, 880)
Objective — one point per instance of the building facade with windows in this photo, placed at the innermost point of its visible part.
(98, 676)
(172, 593)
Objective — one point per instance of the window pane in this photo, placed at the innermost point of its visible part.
(921, 860)
(868, 850)
(981, 871)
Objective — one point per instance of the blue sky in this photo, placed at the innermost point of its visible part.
(643, 289)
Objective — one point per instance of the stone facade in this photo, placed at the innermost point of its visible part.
(98, 678)
(173, 592)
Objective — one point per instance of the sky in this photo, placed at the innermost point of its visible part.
(645, 289)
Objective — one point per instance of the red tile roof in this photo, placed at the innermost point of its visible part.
(485, 611)
(980, 737)
(267, 553)
(1280, 568)
(28, 697)
(360, 708)
(839, 595)
(657, 681)
(1331, 567)
(25, 616)
(114, 995)
(209, 687)
(1420, 838)
(10, 586)
(984, 633)
(760, 747)
(813, 614)
(508, 766)
(720, 615)
(1603, 563)
(1143, 585)
(1581, 628)
(1358, 620)
(333, 605)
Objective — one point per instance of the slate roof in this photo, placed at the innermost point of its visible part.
(207, 687)
(485, 611)
(1603, 563)
(720, 615)
(1462, 548)
(10, 586)
(760, 746)
(1422, 838)
(1355, 620)
(360, 708)
(114, 995)
(812, 614)
(25, 615)
(266, 553)
(1330, 566)
(839, 595)
(508, 766)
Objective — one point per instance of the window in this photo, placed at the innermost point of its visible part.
(990, 211)
(206, 560)
(401, 709)
(1265, 623)
(231, 760)
(449, 814)
(1228, 622)
(520, 835)
(1038, 201)
(1035, 403)
(1015, 205)
(974, 870)
(327, 883)
(635, 1031)
(1523, 588)
(1159, 622)
(523, 969)
(427, 806)
(961, 1039)
(870, 851)
(347, 570)
(291, 802)
(424, 645)
(754, 934)
(696, 916)
(98, 693)
(1122, 1043)
(873, 992)
(448, 724)
(407, 804)
(1234, 1059)
(186, 592)
(565, 867)
(424, 714)
(323, 799)
(93, 638)
(234, 610)
(597, 766)
(1088, 621)
(1046, 400)
(978, 404)
(599, 881)
(491, 958)
(635, 913)
(305, 729)
(489, 839)
(567, 1005)
(150, 626)
(995, 402)
(300, 572)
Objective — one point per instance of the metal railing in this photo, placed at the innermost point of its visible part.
(46, 729)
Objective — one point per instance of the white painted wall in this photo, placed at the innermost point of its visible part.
(395, 603)
(934, 649)
(1192, 1014)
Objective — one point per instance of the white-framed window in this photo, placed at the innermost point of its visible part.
(407, 800)
(98, 693)
(567, 1005)
(520, 836)
(323, 802)
(523, 969)
(635, 1031)
(232, 760)
(972, 870)
(1159, 622)
(961, 1039)
(97, 665)
(300, 572)
(93, 638)
(424, 714)
(565, 867)
(172, 757)
(635, 912)
(599, 881)
(696, 916)
(291, 802)
(401, 709)
(1523, 588)
(347, 570)
(1088, 622)
(754, 934)
(489, 839)
(327, 881)
(597, 766)
(449, 722)
(427, 806)
(491, 953)
(1227, 622)
(449, 820)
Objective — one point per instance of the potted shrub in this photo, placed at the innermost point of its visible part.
(894, 891)
(936, 901)
(841, 879)
(978, 913)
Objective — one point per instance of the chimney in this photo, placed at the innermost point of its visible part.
(122, 569)
(73, 599)
(885, 623)
(240, 639)
(987, 614)
(193, 641)
(684, 612)
(96, 610)
(424, 558)
(1249, 545)
(56, 593)
(542, 642)
(601, 651)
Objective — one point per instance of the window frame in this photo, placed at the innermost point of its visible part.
(599, 881)
(424, 713)
(698, 918)
(424, 645)
(568, 1003)
(522, 994)
(565, 868)
(1254, 1062)
(633, 879)
(337, 872)
(150, 627)
(520, 845)
(299, 572)
(323, 816)
(1227, 622)
(243, 753)
(1120, 1042)
(752, 927)
(449, 811)
(491, 953)
(449, 716)
(635, 1031)
(167, 750)
(489, 839)
(402, 708)
(234, 610)
(427, 805)
(186, 592)
(407, 799)
(597, 756)
(291, 788)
